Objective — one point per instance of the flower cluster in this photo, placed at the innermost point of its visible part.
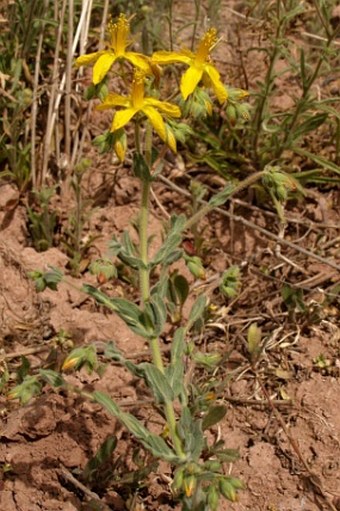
(137, 104)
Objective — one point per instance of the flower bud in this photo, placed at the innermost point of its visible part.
(231, 114)
(243, 111)
(237, 94)
(213, 498)
(227, 490)
(189, 484)
(195, 267)
(213, 465)
(177, 482)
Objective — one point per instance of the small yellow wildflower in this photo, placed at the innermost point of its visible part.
(138, 103)
(200, 66)
(104, 59)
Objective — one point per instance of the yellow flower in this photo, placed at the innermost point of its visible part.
(200, 66)
(104, 59)
(138, 103)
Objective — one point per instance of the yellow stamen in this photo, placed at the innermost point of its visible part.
(207, 43)
(119, 33)
(137, 92)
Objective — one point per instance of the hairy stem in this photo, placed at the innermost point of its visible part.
(209, 207)
(143, 242)
(144, 277)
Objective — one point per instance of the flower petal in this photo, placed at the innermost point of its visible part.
(170, 57)
(102, 66)
(122, 117)
(218, 86)
(164, 106)
(156, 121)
(87, 60)
(113, 100)
(138, 60)
(190, 80)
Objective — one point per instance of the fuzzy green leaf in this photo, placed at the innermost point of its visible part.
(140, 168)
(134, 318)
(197, 310)
(155, 444)
(158, 383)
(214, 415)
(52, 377)
(320, 160)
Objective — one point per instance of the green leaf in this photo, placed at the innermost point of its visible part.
(156, 310)
(140, 168)
(135, 319)
(23, 369)
(175, 377)
(161, 288)
(175, 371)
(308, 125)
(53, 277)
(320, 160)
(197, 310)
(293, 298)
(303, 68)
(126, 252)
(112, 352)
(190, 431)
(178, 346)
(158, 383)
(167, 254)
(160, 449)
(155, 444)
(92, 470)
(180, 289)
(52, 377)
(214, 415)
(208, 360)
(228, 455)
(107, 402)
(220, 198)
(26, 390)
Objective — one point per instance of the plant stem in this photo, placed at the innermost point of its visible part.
(143, 242)
(209, 207)
(144, 277)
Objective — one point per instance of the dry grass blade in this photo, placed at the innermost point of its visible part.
(58, 88)
(34, 110)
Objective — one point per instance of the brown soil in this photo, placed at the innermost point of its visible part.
(289, 452)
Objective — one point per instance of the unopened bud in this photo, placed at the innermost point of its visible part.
(231, 114)
(213, 498)
(190, 483)
(227, 490)
(195, 267)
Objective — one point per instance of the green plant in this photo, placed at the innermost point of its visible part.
(42, 221)
(76, 246)
(186, 409)
(18, 41)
